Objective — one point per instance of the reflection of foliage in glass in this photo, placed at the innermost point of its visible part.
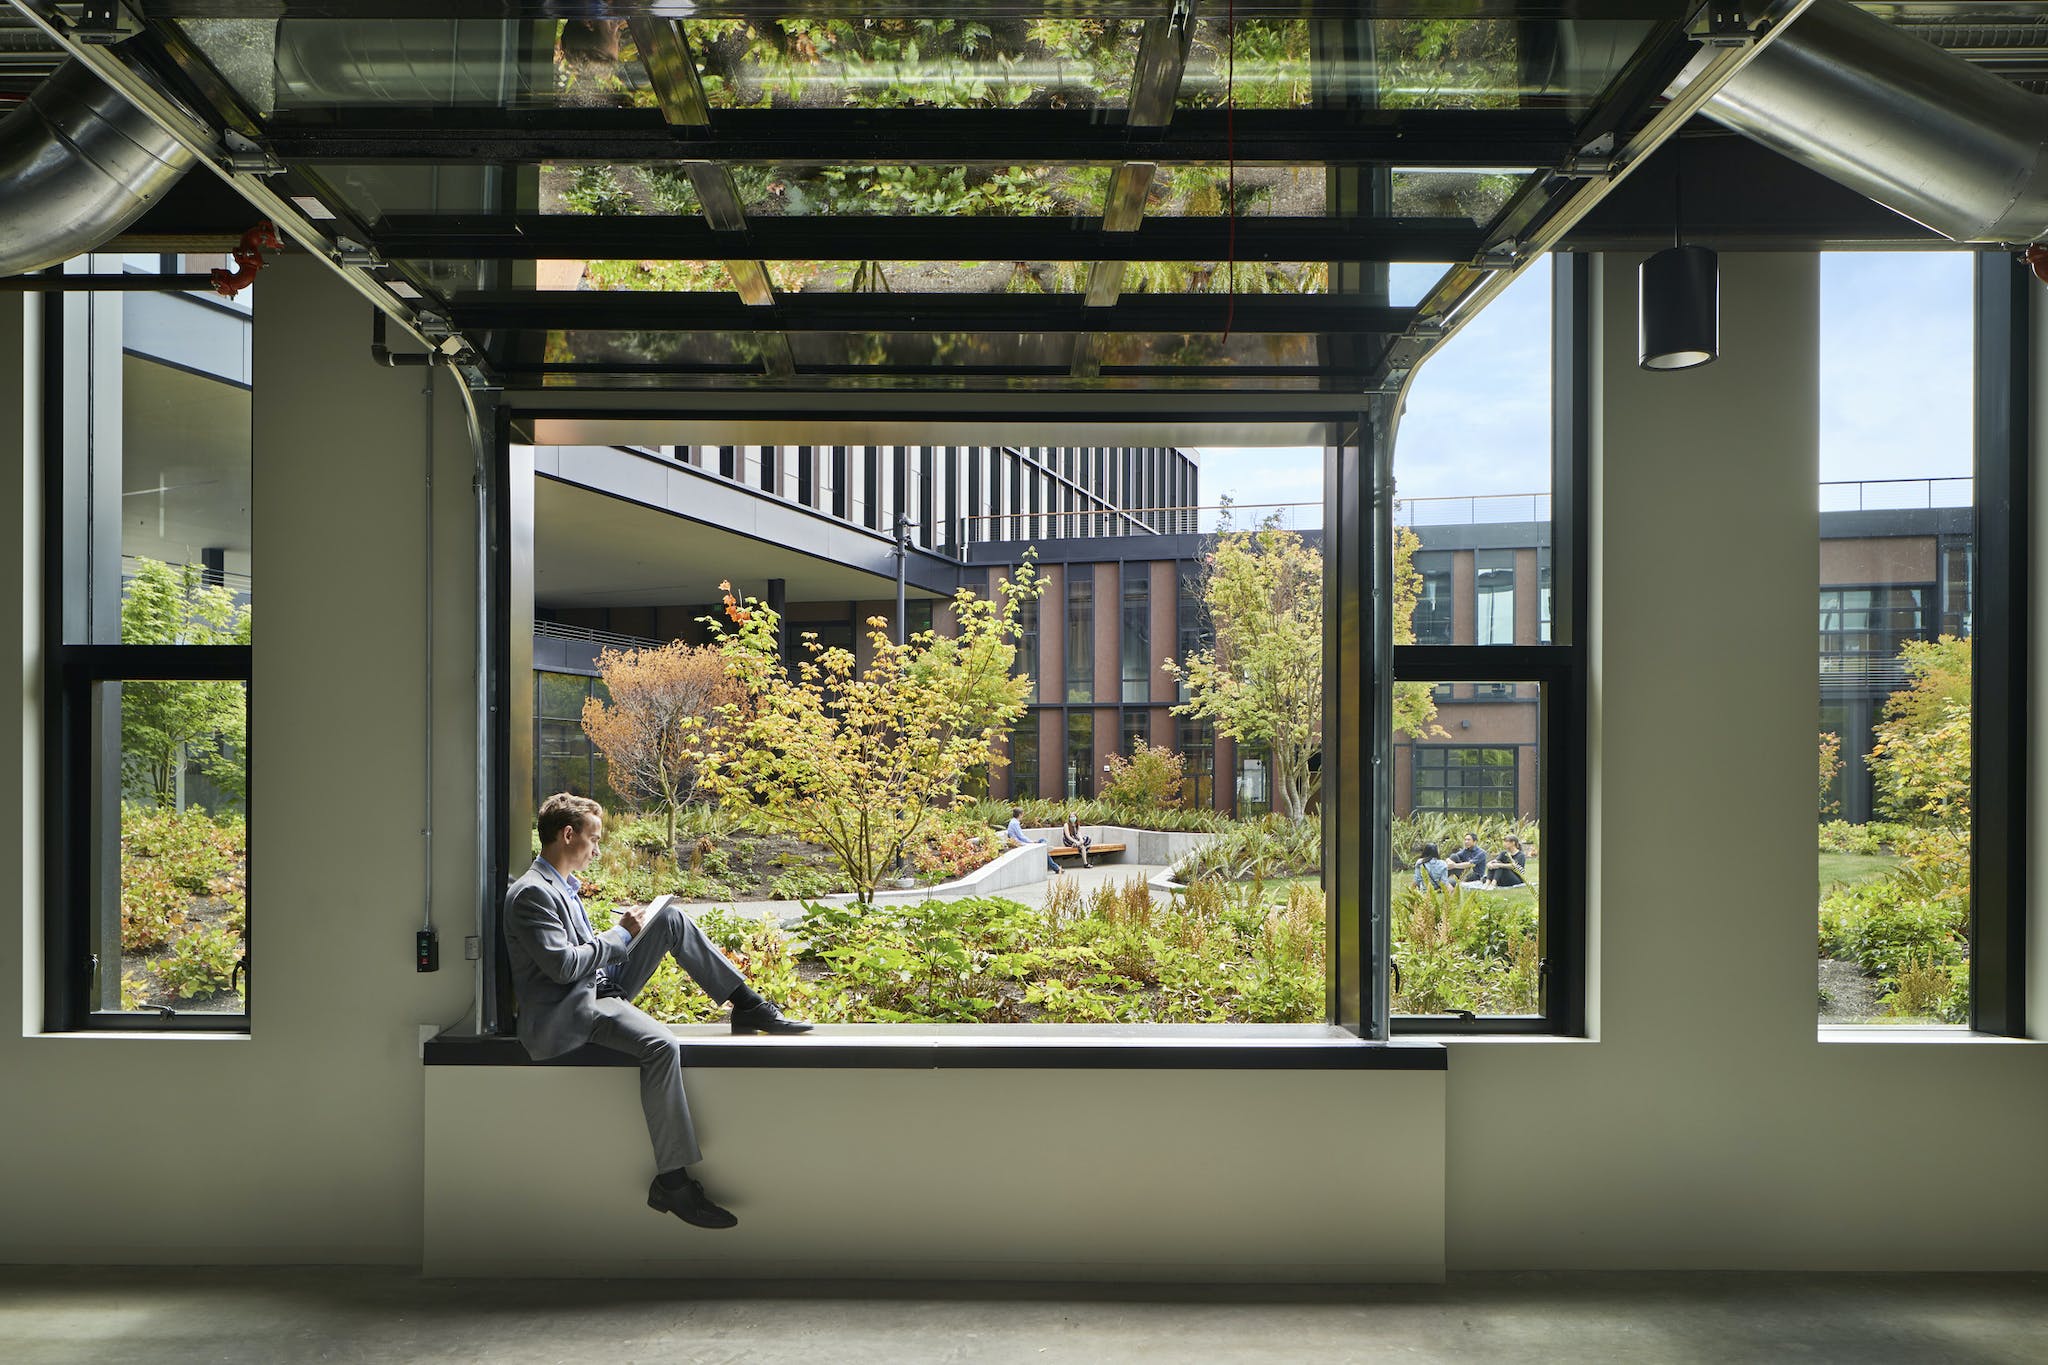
(1446, 63)
(879, 63)
(596, 189)
(1271, 68)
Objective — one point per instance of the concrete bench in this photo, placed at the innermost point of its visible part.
(1094, 850)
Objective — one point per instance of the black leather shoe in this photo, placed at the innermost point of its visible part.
(688, 1202)
(765, 1018)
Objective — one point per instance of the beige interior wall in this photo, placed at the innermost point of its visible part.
(960, 1174)
(1706, 1126)
(301, 1142)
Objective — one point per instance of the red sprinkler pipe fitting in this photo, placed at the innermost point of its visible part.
(248, 260)
(2036, 257)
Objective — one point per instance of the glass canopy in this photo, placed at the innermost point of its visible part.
(1020, 194)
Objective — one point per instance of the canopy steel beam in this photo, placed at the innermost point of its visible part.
(1488, 139)
(881, 238)
(895, 9)
(871, 312)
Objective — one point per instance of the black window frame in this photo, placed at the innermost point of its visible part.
(1425, 758)
(70, 713)
(1559, 668)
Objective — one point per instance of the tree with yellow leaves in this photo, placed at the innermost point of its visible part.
(863, 761)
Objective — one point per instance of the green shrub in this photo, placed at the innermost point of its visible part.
(1447, 831)
(1886, 922)
(1879, 836)
(1928, 990)
(1149, 780)
(1040, 814)
(1263, 849)
(952, 851)
(201, 963)
(1464, 950)
(805, 883)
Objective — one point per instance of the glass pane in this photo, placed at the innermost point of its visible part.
(1080, 642)
(1306, 192)
(169, 790)
(915, 63)
(1024, 757)
(1080, 785)
(1407, 63)
(561, 695)
(282, 66)
(1897, 561)
(1472, 476)
(930, 191)
(161, 524)
(1465, 842)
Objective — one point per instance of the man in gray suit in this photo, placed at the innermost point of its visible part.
(576, 986)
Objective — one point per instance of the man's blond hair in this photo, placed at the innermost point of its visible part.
(564, 809)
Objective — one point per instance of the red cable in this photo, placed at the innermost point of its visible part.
(1230, 152)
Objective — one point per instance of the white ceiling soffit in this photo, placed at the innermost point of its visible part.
(923, 431)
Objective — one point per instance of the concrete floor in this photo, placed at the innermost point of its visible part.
(163, 1317)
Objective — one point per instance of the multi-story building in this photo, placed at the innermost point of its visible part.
(1114, 535)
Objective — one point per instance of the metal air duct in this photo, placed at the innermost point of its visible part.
(78, 163)
(1898, 120)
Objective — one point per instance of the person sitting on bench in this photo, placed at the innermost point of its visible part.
(1015, 836)
(1071, 832)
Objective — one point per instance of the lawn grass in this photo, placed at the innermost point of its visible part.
(1847, 869)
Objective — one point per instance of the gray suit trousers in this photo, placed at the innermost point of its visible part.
(624, 1028)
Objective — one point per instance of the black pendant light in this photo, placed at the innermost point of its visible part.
(1678, 297)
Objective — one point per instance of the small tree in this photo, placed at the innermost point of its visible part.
(663, 704)
(1921, 758)
(1414, 702)
(1830, 767)
(1262, 680)
(860, 761)
(163, 723)
(1150, 779)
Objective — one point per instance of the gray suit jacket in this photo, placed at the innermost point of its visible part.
(554, 965)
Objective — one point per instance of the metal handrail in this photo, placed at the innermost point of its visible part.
(556, 630)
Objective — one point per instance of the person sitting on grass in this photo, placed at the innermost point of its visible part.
(1507, 869)
(1015, 837)
(1431, 863)
(1071, 832)
(576, 986)
(1469, 862)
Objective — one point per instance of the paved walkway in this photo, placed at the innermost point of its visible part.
(1086, 879)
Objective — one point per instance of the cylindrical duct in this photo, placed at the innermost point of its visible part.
(1678, 308)
(1917, 129)
(78, 163)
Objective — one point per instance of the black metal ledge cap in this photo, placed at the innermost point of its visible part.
(1049, 1047)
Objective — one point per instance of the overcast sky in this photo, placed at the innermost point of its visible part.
(1894, 393)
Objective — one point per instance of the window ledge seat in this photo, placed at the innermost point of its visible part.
(1133, 1047)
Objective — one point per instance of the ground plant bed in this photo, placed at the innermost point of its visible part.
(184, 910)
(1118, 956)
